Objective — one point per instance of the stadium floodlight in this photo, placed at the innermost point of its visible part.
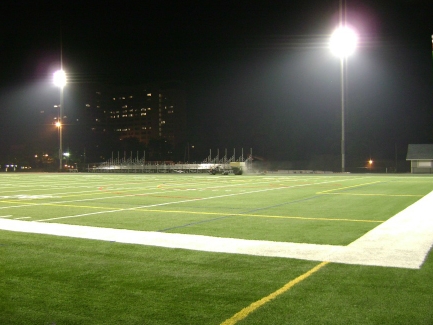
(59, 80)
(343, 43)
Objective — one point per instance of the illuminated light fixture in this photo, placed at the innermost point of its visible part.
(343, 41)
(59, 78)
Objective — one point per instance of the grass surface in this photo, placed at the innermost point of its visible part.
(49, 279)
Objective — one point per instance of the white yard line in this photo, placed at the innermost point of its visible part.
(403, 241)
(179, 202)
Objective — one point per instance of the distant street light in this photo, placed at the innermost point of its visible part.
(59, 80)
(343, 43)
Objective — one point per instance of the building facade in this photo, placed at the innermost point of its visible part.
(145, 112)
(421, 158)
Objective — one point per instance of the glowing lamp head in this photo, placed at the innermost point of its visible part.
(58, 124)
(343, 42)
(59, 78)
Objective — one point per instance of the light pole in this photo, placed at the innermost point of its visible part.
(59, 80)
(343, 43)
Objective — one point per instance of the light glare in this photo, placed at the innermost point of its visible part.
(343, 41)
(59, 78)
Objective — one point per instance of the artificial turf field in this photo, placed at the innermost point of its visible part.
(60, 280)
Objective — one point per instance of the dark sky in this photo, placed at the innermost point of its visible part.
(258, 73)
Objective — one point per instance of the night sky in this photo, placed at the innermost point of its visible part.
(258, 74)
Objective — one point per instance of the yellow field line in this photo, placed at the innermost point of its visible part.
(205, 213)
(346, 187)
(255, 305)
(371, 194)
(261, 216)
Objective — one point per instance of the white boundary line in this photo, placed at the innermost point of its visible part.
(402, 241)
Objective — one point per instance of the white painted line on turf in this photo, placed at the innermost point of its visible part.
(182, 201)
(403, 241)
(406, 237)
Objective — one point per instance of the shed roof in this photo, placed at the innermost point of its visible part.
(420, 152)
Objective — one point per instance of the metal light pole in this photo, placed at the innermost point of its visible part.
(59, 80)
(343, 43)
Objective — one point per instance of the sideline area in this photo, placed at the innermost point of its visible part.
(403, 241)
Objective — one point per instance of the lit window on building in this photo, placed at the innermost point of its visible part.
(143, 114)
(149, 95)
(87, 105)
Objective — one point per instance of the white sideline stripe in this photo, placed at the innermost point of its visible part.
(403, 241)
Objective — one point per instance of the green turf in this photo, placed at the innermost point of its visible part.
(56, 280)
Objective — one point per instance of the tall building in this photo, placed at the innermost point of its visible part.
(145, 112)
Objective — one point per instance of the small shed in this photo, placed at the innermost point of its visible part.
(421, 158)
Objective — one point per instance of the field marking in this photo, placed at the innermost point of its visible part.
(346, 187)
(402, 241)
(260, 215)
(182, 201)
(371, 194)
(28, 197)
(66, 195)
(111, 209)
(259, 303)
